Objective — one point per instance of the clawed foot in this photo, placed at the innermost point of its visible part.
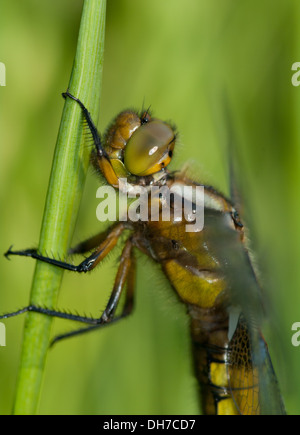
(26, 253)
(8, 252)
(67, 94)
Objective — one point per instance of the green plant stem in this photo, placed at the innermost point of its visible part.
(65, 189)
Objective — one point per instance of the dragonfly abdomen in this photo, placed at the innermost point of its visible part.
(209, 332)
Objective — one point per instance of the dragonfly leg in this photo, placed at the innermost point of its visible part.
(86, 265)
(91, 243)
(103, 161)
(109, 240)
(52, 313)
(91, 125)
(125, 274)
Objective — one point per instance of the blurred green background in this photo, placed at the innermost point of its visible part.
(182, 58)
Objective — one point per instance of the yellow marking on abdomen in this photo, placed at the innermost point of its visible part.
(218, 374)
(227, 407)
(201, 290)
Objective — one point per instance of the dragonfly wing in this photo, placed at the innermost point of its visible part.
(226, 246)
(242, 375)
(252, 381)
(250, 369)
(271, 402)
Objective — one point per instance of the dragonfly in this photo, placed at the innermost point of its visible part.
(209, 269)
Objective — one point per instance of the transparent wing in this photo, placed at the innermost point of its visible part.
(249, 366)
(243, 378)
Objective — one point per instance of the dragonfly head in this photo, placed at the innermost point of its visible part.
(137, 147)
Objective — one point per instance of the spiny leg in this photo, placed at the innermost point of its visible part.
(125, 274)
(90, 244)
(86, 265)
(109, 242)
(91, 125)
(52, 313)
(102, 157)
(120, 282)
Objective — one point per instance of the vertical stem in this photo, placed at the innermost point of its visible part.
(66, 185)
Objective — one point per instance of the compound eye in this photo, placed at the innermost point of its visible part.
(150, 148)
